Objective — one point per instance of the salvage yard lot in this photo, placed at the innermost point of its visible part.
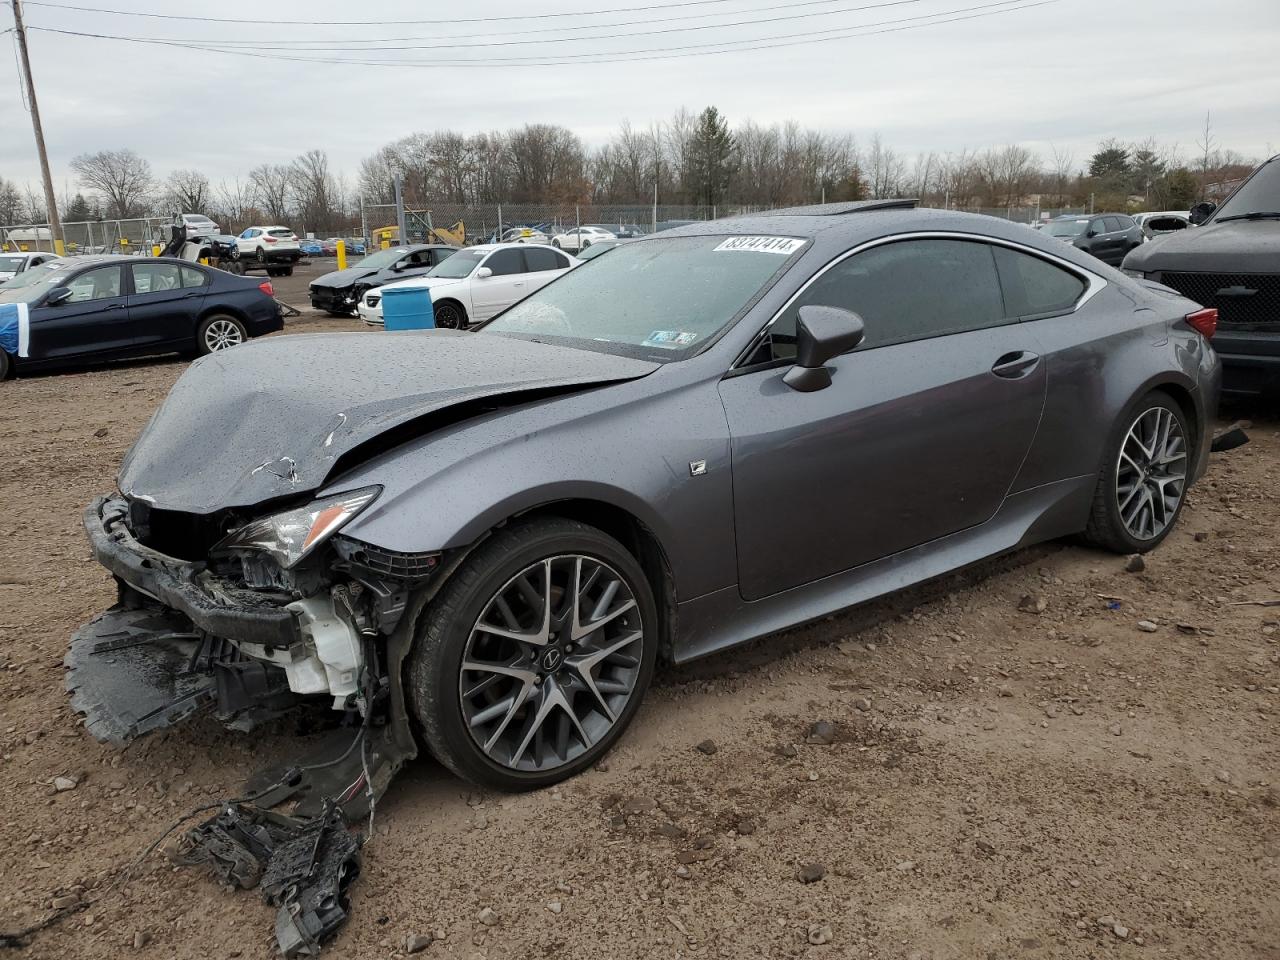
(1014, 760)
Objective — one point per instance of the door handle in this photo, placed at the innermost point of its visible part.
(114, 306)
(1015, 365)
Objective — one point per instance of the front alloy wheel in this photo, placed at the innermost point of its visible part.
(535, 655)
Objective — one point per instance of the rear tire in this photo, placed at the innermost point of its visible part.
(1143, 482)
(220, 331)
(450, 315)
(563, 702)
(6, 365)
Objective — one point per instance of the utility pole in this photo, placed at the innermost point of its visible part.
(50, 202)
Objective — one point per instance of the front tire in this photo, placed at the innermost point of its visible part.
(220, 332)
(1143, 483)
(534, 658)
(6, 365)
(261, 255)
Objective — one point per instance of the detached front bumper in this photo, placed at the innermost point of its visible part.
(333, 299)
(177, 583)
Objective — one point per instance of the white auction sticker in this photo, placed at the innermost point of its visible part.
(785, 246)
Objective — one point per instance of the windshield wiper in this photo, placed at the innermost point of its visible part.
(1257, 215)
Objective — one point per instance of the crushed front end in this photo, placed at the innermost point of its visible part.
(247, 617)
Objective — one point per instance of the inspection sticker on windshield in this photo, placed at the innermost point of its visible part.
(670, 338)
(784, 246)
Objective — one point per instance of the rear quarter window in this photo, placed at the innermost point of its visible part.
(1035, 287)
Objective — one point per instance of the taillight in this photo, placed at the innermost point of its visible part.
(266, 287)
(1204, 322)
(270, 239)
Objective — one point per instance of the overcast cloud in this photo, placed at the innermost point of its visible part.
(1071, 72)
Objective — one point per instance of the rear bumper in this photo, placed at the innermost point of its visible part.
(175, 583)
(1250, 361)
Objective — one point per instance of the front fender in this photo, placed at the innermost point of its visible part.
(629, 446)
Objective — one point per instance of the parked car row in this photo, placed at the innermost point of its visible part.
(338, 293)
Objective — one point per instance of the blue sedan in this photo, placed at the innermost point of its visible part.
(91, 309)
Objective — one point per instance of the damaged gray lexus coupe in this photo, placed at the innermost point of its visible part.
(481, 543)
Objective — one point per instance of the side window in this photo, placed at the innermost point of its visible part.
(1113, 224)
(155, 277)
(908, 290)
(544, 258)
(1125, 222)
(1035, 287)
(192, 277)
(505, 263)
(100, 284)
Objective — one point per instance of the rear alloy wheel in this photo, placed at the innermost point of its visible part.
(535, 656)
(450, 316)
(220, 332)
(1144, 484)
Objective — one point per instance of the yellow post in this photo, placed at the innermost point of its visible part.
(59, 248)
(342, 254)
(386, 244)
(155, 249)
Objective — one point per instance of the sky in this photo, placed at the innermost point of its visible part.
(1064, 72)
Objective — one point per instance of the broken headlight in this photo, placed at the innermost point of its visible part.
(290, 536)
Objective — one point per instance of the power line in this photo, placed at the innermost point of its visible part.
(308, 45)
(381, 23)
(604, 57)
(260, 45)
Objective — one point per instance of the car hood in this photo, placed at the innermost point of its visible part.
(272, 418)
(1237, 246)
(343, 278)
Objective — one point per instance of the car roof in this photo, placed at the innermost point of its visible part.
(833, 233)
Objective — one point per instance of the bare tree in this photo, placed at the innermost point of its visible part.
(1061, 166)
(884, 169)
(187, 191)
(121, 177)
(10, 202)
(234, 203)
(313, 189)
(271, 183)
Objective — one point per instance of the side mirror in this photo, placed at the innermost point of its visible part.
(1202, 212)
(1092, 233)
(821, 334)
(57, 295)
(484, 273)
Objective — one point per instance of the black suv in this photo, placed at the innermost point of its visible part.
(1232, 262)
(1108, 236)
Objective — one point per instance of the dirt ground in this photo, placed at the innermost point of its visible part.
(1002, 782)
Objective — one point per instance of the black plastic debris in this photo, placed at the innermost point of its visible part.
(1230, 438)
(132, 671)
(304, 866)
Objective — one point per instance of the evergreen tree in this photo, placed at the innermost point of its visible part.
(713, 157)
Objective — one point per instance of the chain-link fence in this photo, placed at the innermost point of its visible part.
(90, 236)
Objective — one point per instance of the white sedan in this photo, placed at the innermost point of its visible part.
(579, 238)
(12, 264)
(478, 282)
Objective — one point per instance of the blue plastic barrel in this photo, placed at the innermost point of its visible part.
(407, 308)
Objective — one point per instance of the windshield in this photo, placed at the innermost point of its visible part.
(30, 285)
(458, 265)
(1259, 194)
(383, 258)
(658, 299)
(11, 264)
(1066, 228)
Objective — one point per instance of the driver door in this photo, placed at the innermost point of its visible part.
(509, 283)
(920, 433)
(93, 320)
